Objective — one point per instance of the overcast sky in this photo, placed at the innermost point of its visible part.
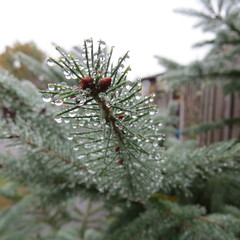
(145, 27)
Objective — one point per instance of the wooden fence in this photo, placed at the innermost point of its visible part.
(207, 104)
(199, 104)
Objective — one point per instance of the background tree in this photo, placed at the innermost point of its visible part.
(220, 66)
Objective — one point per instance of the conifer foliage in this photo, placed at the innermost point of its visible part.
(96, 138)
(113, 132)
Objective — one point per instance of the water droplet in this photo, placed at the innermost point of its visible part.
(80, 101)
(67, 121)
(91, 171)
(50, 62)
(75, 148)
(47, 98)
(51, 87)
(138, 97)
(102, 44)
(58, 102)
(152, 112)
(68, 76)
(64, 84)
(58, 119)
(89, 42)
(74, 76)
(66, 72)
(129, 86)
(70, 137)
(71, 114)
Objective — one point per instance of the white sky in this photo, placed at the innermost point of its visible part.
(145, 27)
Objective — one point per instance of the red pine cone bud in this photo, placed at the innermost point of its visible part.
(86, 82)
(119, 161)
(117, 148)
(104, 84)
(121, 116)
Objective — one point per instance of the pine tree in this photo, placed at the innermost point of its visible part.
(104, 146)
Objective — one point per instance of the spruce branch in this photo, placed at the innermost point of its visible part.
(106, 110)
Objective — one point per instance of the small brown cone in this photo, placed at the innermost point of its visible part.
(86, 82)
(104, 84)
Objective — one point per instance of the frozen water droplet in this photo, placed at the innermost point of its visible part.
(58, 102)
(50, 62)
(71, 114)
(58, 119)
(51, 87)
(47, 98)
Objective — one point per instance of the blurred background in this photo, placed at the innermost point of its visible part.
(145, 28)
